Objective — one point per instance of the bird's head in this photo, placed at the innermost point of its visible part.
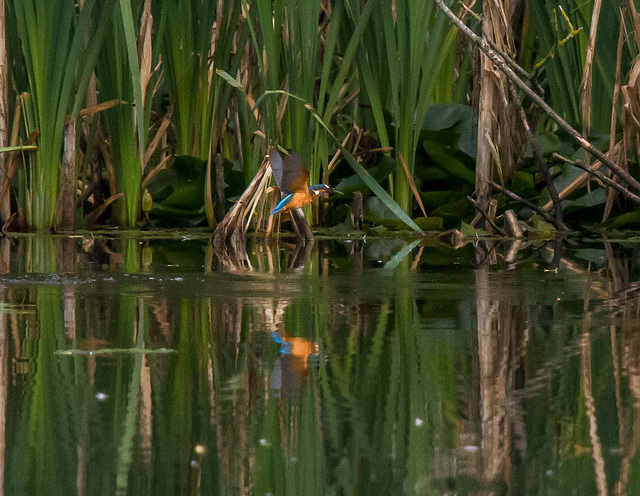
(322, 189)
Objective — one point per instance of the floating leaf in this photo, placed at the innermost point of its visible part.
(471, 231)
(591, 255)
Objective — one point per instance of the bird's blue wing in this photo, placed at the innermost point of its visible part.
(282, 204)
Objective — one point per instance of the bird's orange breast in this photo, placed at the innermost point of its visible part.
(300, 198)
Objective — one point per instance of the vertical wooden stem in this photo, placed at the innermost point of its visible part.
(357, 213)
(65, 208)
(297, 217)
(5, 204)
(219, 203)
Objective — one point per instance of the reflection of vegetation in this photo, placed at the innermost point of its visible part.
(417, 386)
(44, 459)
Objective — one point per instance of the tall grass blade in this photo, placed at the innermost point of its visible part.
(43, 25)
(134, 68)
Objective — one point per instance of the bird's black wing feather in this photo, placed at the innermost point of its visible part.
(276, 167)
(290, 174)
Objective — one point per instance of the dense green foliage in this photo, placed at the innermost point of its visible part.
(393, 80)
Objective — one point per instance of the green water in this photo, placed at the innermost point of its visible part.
(367, 368)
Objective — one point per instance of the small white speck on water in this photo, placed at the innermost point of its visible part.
(101, 396)
(418, 422)
(471, 448)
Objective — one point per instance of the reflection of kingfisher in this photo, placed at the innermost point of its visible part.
(292, 366)
(292, 177)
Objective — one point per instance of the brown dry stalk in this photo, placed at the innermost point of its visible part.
(92, 218)
(15, 162)
(582, 141)
(494, 136)
(334, 161)
(234, 222)
(611, 193)
(282, 106)
(66, 202)
(159, 136)
(631, 110)
(5, 205)
(635, 19)
(145, 55)
(587, 81)
(488, 216)
(412, 184)
(154, 171)
(101, 107)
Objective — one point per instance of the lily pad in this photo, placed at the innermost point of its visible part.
(445, 159)
(178, 193)
(626, 221)
(453, 117)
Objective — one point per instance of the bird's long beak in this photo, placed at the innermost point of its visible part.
(334, 191)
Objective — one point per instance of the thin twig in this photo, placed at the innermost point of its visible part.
(535, 147)
(412, 184)
(609, 182)
(502, 65)
(611, 195)
(485, 215)
(524, 201)
(334, 160)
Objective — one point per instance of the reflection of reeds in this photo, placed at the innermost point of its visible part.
(418, 388)
(586, 374)
(4, 353)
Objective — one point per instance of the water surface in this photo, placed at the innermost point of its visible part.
(355, 367)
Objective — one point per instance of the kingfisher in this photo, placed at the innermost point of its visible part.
(292, 177)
